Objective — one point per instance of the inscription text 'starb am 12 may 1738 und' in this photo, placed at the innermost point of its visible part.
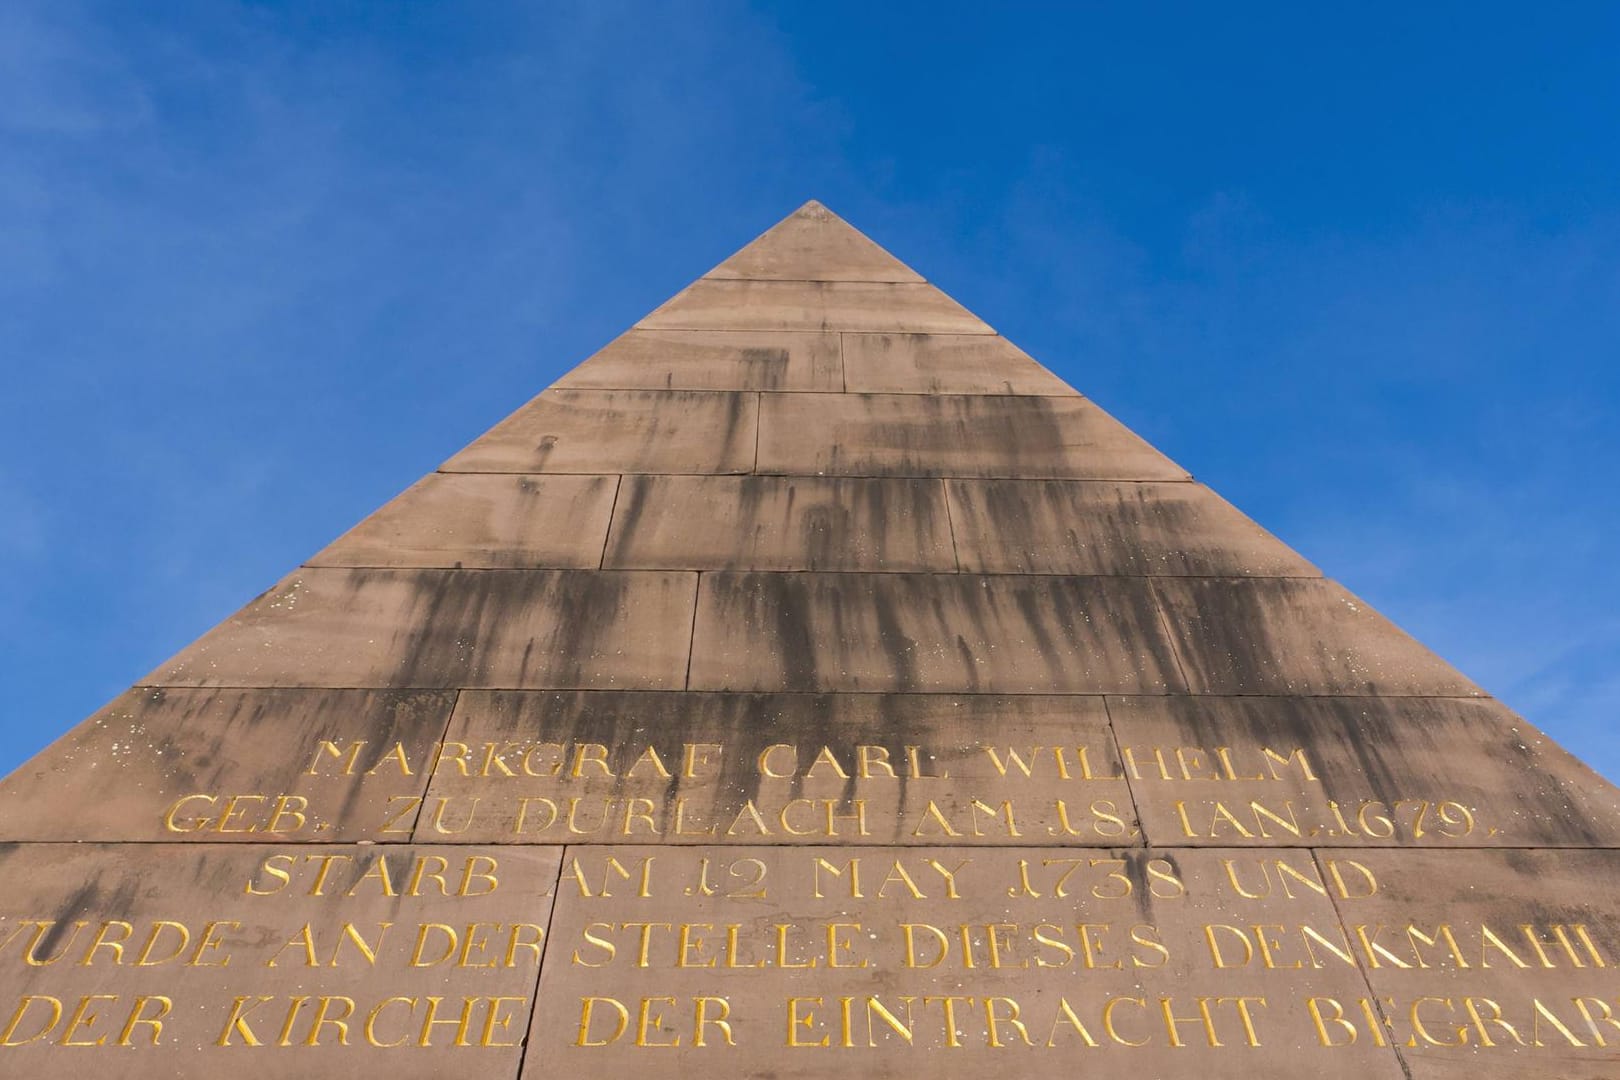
(809, 684)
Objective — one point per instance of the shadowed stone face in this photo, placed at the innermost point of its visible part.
(810, 685)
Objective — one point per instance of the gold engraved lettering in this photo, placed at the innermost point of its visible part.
(698, 756)
(993, 1020)
(611, 867)
(1263, 877)
(237, 1023)
(370, 1027)
(400, 808)
(588, 1006)
(796, 1021)
(701, 1020)
(645, 1020)
(236, 814)
(603, 1021)
(37, 1015)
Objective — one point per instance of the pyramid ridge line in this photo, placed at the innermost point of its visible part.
(1186, 478)
(988, 332)
(192, 688)
(949, 575)
(1070, 394)
(1290, 695)
(415, 568)
(711, 276)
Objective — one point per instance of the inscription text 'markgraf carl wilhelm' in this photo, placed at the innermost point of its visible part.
(572, 792)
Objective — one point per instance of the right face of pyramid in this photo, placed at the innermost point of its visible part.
(809, 684)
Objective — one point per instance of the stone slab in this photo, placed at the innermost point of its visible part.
(451, 628)
(814, 244)
(944, 364)
(1355, 772)
(146, 961)
(692, 768)
(801, 963)
(231, 765)
(854, 306)
(1295, 636)
(780, 523)
(604, 431)
(712, 360)
(1153, 799)
(946, 435)
(930, 632)
(484, 521)
(1098, 527)
(1484, 965)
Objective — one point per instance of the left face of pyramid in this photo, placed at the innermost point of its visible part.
(318, 710)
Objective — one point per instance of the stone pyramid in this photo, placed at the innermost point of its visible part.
(809, 684)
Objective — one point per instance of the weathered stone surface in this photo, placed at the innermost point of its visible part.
(1354, 772)
(449, 628)
(854, 306)
(961, 435)
(712, 360)
(1484, 964)
(943, 364)
(780, 523)
(692, 768)
(197, 962)
(881, 707)
(1094, 527)
(230, 765)
(814, 244)
(600, 431)
(808, 963)
(1295, 636)
(484, 521)
(932, 632)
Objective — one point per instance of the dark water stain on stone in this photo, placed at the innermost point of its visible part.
(739, 407)
(765, 369)
(795, 633)
(632, 504)
(900, 649)
(1223, 633)
(460, 619)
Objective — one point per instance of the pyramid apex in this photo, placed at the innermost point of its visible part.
(814, 244)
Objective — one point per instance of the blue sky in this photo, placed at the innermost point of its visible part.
(262, 265)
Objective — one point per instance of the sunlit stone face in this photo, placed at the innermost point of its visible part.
(810, 685)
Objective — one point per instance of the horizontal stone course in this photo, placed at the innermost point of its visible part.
(929, 632)
(780, 523)
(450, 628)
(712, 360)
(850, 306)
(606, 431)
(1120, 527)
(951, 435)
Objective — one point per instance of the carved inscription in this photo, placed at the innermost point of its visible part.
(940, 956)
(572, 768)
(193, 959)
(222, 766)
(808, 886)
(691, 768)
(824, 960)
